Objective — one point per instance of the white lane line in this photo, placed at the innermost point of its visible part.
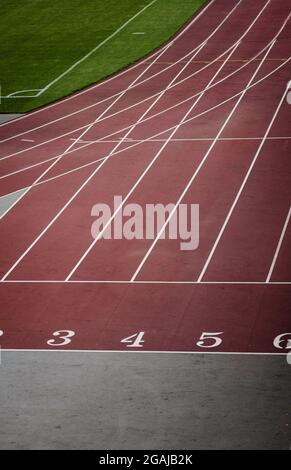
(241, 188)
(117, 351)
(69, 149)
(149, 139)
(138, 103)
(278, 246)
(90, 177)
(124, 72)
(86, 56)
(90, 281)
(176, 128)
(194, 139)
(140, 266)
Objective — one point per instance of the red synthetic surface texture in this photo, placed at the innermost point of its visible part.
(233, 160)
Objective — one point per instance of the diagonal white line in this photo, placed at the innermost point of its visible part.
(278, 246)
(241, 188)
(140, 266)
(146, 171)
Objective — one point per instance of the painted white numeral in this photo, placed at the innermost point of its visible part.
(1, 332)
(202, 343)
(65, 335)
(282, 338)
(134, 340)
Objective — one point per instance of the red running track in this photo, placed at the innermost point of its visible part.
(204, 120)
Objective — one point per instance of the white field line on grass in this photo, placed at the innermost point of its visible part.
(92, 174)
(124, 72)
(279, 246)
(87, 128)
(135, 85)
(140, 179)
(234, 204)
(196, 172)
(148, 139)
(133, 351)
(86, 56)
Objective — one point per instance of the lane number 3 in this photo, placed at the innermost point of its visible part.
(63, 338)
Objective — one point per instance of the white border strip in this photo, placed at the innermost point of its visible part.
(89, 281)
(116, 351)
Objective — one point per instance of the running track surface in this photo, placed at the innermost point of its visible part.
(203, 120)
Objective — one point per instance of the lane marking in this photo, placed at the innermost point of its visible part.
(142, 351)
(27, 140)
(196, 172)
(128, 282)
(194, 139)
(241, 187)
(278, 246)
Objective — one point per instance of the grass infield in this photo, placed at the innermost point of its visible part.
(42, 39)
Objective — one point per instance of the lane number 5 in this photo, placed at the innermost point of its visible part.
(209, 340)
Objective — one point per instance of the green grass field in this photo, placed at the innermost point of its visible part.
(42, 39)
